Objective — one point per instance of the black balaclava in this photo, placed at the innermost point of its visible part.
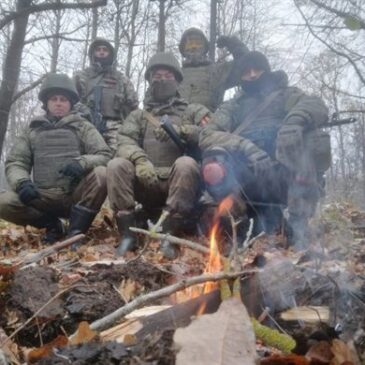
(256, 60)
(162, 90)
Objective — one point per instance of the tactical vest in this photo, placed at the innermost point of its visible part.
(196, 86)
(53, 148)
(161, 154)
(111, 84)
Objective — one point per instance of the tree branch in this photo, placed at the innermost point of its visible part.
(339, 53)
(339, 13)
(49, 6)
(28, 88)
(110, 319)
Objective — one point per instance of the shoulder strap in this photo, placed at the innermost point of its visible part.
(150, 118)
(251, 117)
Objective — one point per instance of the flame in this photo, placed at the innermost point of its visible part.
(214, 263)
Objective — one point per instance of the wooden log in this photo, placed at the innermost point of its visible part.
(179, 315)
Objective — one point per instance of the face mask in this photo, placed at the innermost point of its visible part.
(255, 86)
(163, 89)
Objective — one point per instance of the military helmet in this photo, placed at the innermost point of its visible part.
(54, 82)
(196, 31)
(166, 60)
(100, 42)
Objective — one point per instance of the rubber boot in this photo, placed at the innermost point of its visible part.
(170, 226)
(79, 222)
(128, 241)
(55, 229)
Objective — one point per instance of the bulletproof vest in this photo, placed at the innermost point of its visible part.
(195, 87)
(53, 148)
(263, 130)
(161, 154)
(110, 102)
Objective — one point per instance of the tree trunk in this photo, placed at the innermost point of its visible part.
(11, 70)
(213, 28)
(161, 27)
(133, 36)
(94, 29)
(56, 41)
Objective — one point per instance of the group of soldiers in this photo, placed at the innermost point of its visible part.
(186, 150)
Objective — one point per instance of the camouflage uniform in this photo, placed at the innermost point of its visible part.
(41, 151)
(36, 149)
(118, 97)
(283, 184)
(178, 177)
(205, 82)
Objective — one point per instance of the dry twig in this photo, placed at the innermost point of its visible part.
(172, 239)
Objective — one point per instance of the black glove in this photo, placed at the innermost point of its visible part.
(290, 145)
(27, 192)
(262, 165)
(233, 45)
(226, 41)
(73, 169)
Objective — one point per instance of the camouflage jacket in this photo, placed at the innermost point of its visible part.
(132, 133)
(92, 150)
(289, 101)
(118, 95)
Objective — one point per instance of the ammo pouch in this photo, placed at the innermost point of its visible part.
(318, 142)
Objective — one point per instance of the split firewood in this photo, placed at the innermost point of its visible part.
(309, 314)
(172, 239)
(110, 319)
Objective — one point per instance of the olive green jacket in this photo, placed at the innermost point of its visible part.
(289, 102)
(93, 149)
(131, 133)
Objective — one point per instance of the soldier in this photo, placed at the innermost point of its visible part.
(205, 82)
(107, 92)
(67, 158)
(261, 143)
(149, 166)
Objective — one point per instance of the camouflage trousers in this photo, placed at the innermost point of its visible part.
(178, 193)
(111, 132)
(90, 193)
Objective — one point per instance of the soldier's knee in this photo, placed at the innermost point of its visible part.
(187, 163)
(119, 163)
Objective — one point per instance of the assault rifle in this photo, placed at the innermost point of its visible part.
(336, 121)
(167, 126)
(97, 117)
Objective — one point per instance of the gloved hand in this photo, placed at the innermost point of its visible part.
(262, 164)
(290, 144)
(73, 169)
(146, 173)
(226, 41)
(27, 192)
(161, 135)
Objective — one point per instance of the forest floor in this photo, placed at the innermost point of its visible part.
(48, 309)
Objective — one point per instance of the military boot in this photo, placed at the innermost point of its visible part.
(128, 241)
(55, 229)
(171, 225)
(79, 222)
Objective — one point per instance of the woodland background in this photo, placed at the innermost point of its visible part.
(319, 43)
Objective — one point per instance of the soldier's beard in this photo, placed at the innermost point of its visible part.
(103, 61)
(163, 89)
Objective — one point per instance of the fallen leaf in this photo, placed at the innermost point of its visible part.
(225, 337)
(320, 352)
(309, 314)
(83, 334)
(341, 353)
(128, 289)
(37, 354)
(284, 360)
